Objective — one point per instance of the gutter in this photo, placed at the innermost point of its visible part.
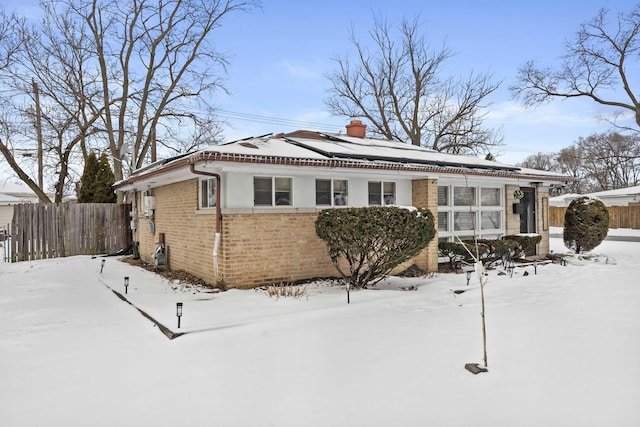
(339, 163)
(216, 241)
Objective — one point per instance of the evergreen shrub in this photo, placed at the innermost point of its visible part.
(586, 224)
(365, 244)
(526, 244)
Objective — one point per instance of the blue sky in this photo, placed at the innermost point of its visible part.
(280, 56)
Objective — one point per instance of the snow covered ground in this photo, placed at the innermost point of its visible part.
(563, 349)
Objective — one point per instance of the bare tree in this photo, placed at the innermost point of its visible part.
(599, 64)
(542, 161)
(398, 88)
(610, 160)
(570, 162)
(598, 162)
(157, 60)
(51, 70)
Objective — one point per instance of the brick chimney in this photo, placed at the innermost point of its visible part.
(356, 129)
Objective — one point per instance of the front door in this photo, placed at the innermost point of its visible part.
(527, 210)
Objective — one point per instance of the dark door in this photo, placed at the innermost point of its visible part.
(527, 210)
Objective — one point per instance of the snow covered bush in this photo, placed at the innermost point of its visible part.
(365, 244)
(586, 224)
(487, 250)
(461, 252)
(526, 244)
(502, 249)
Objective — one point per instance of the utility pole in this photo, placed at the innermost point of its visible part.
(36, 96)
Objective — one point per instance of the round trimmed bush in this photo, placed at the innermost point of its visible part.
(365, 244)
(586, 224)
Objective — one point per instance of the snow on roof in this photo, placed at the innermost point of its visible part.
(6, 199)
(628, 191)
(11, 188)
(302, 148)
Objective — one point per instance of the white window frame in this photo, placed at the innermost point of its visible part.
(477, 208)
(383, 200)
(274, 191)
(332, 192)
(210, 202)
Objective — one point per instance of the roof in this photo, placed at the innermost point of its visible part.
(6, 199)
(628, 191)
(315, 149)
(15, 189)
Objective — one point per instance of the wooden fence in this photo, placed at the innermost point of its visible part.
(40, 231)
(619, 216)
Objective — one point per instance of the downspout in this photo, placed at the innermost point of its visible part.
(216, 241)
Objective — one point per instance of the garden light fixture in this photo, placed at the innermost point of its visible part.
(510, 267)
(126, 283)
(348, 280)
(179, 312)
(468, 276)
(102, 265)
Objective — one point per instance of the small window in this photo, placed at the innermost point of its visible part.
(443, 221)
(463, 221)
(270, 191)
(208, 193)
(332, 192)
(382, 193)
(283, 191)
(490, 197)
(340, 192)
(443, 195)
(490, 220)
(375, 193)
(323, 192)
(389, 193)
(262, 192)
(464, 196)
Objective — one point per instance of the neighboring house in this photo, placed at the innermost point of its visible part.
(242, 214)
(563, 200)
(618, 197)
(11, 195)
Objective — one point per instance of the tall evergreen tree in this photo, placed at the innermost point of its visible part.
(96, 181)
(88, 179)
(103, 182)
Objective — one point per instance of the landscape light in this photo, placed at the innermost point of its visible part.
(535, 266)
(179, 312)
(468, 276)
(510, 267)
(126, 283)
(348, 280)
(102, 266)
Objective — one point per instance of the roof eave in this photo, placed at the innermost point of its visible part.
(352, 163)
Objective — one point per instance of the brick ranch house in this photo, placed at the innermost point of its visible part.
(242, 214)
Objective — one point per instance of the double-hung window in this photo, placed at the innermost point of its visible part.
(272, 191)
(382, 193)
(332, 192)
(207, 193)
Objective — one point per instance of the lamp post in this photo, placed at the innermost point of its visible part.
(179, 312)
(126, 283)
(102, 265)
